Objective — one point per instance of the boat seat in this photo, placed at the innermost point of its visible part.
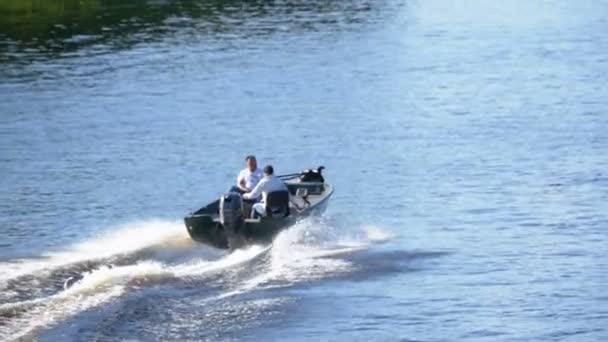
(277, 202)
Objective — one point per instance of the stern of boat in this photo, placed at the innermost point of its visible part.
(204, 229)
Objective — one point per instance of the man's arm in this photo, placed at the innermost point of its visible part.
(257, 191)
(240, 182)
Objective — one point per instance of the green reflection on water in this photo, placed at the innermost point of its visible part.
(26, 19)
(46, 6)
(39, 29)
(52, 27)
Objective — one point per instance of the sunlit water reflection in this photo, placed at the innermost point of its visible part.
(465, 140)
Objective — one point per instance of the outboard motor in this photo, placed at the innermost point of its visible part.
(231, 217)
(231, 210)
(312, 175)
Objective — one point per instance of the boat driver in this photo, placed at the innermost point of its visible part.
(269, 183)
(249, 177)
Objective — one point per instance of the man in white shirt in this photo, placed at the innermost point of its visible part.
(269, 183)
(249, 177)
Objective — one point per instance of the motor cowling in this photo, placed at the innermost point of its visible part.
(231, 218)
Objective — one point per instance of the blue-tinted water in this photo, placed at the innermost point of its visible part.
(466, 141)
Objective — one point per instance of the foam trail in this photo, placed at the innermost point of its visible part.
(365, 236)
(111, 276)
(307, 252)
(105, 283)
(237, 257)
(123, 240)
(147, 271)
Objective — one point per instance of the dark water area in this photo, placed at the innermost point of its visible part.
(466, 142)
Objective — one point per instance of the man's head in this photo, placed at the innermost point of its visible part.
(252, 164)
(268, 170)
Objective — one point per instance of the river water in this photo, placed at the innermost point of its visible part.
(466, 141)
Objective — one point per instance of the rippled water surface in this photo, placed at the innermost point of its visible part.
(466, 141)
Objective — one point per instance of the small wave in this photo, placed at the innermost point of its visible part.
(377, 234)
(45, 312)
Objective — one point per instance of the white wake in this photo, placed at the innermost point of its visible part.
(307, 251)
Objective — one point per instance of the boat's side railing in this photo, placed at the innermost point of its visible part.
(313, 188)
(200, 215)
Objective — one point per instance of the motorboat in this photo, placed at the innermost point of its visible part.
(227, 222)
